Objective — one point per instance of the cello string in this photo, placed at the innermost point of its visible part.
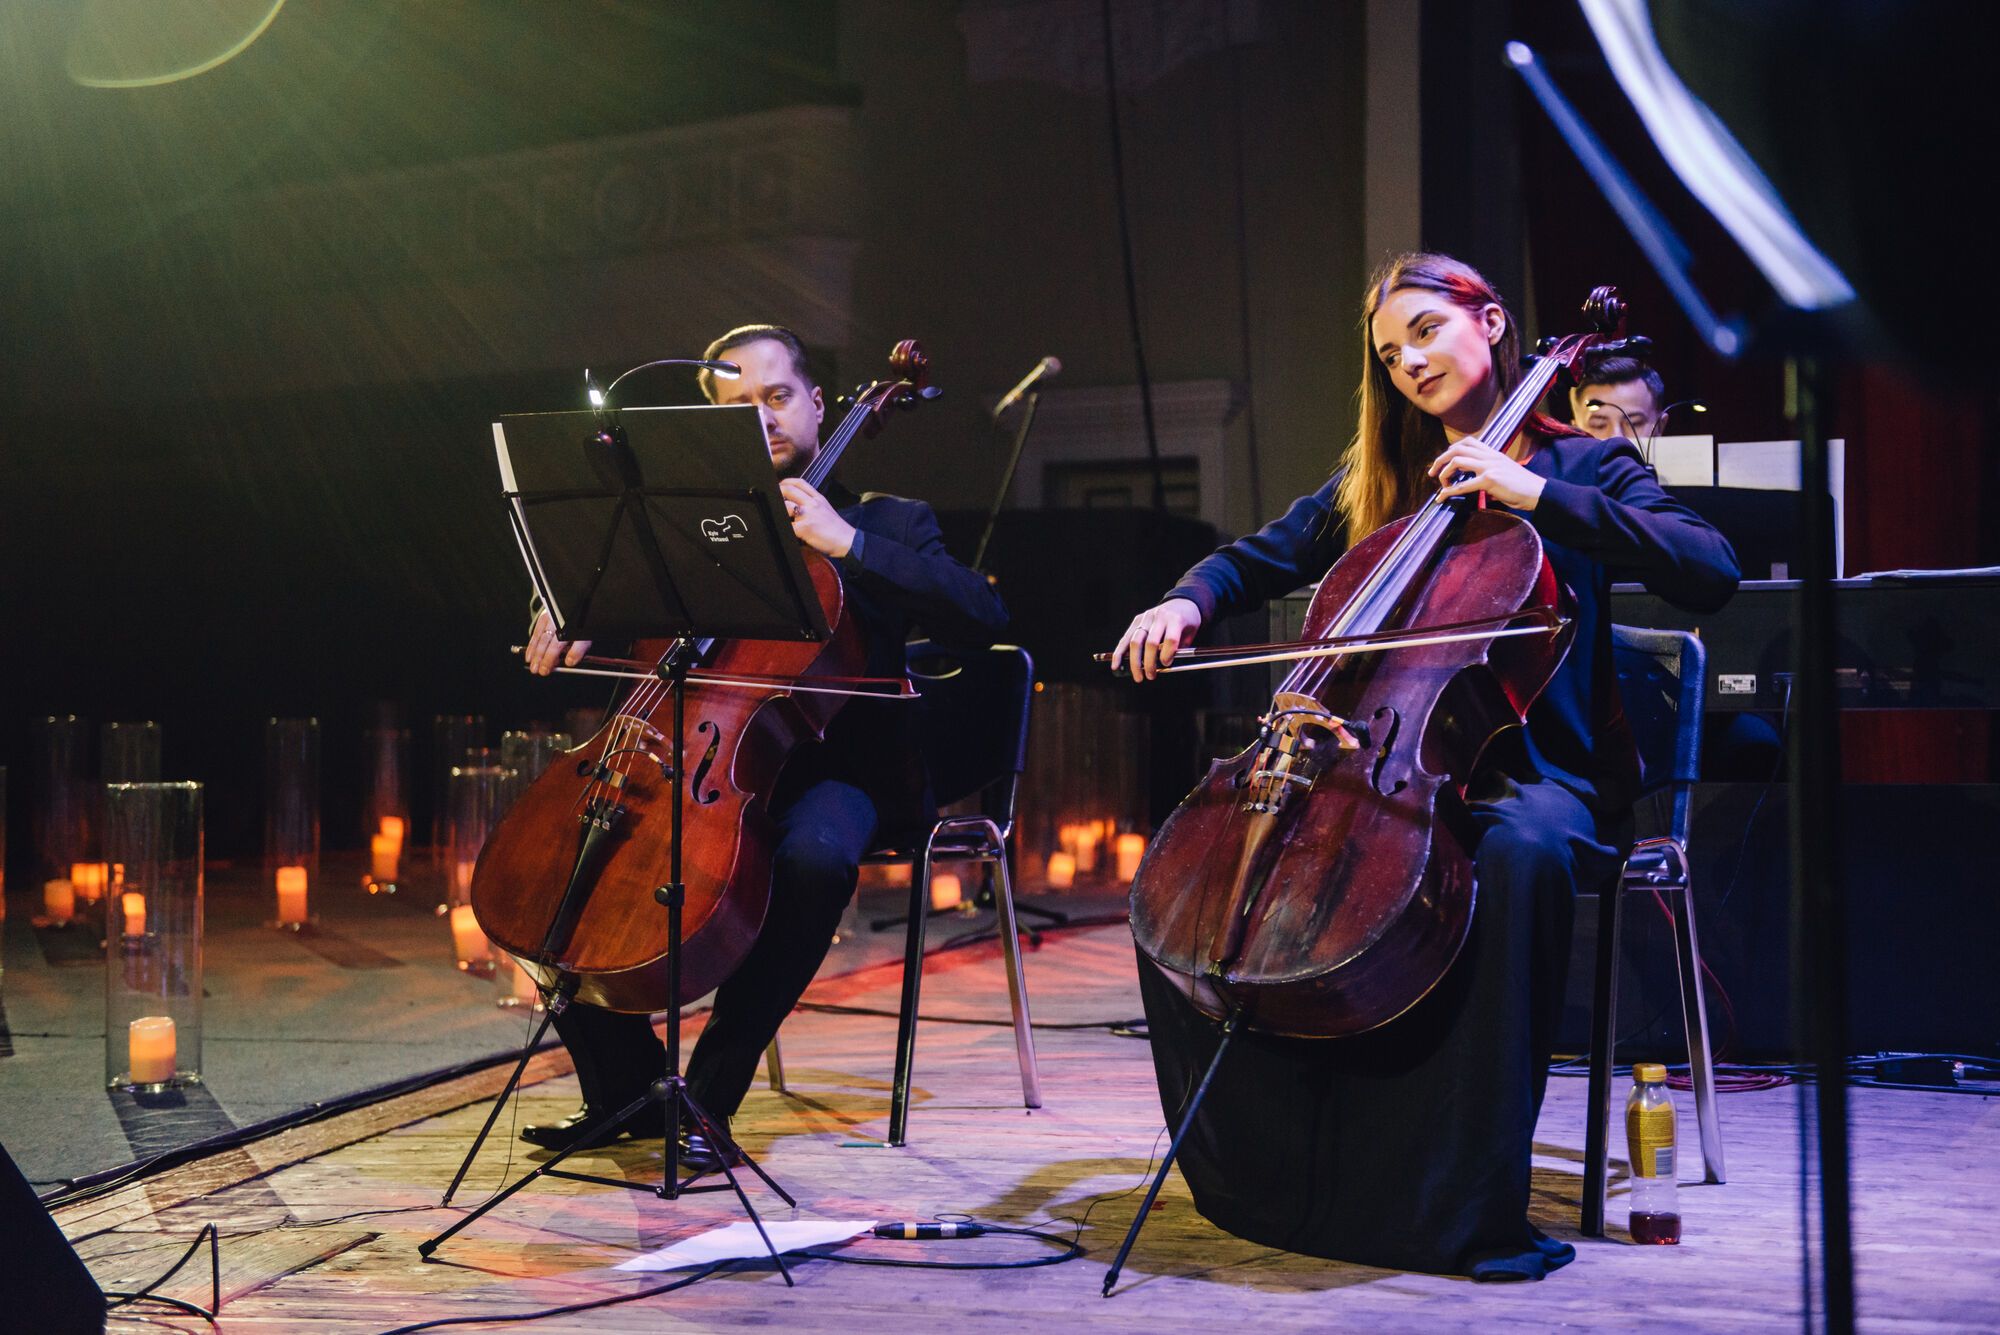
(1506, 422)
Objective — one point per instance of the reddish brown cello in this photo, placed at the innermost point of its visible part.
(598, 819)
(1318, 883)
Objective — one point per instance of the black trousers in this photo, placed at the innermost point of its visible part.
(823, 829)
(1409, 1146)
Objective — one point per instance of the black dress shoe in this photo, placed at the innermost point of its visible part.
(701, 1155)
(646, 1124)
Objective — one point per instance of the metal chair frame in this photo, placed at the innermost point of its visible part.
(968, 840)
(1658, 865)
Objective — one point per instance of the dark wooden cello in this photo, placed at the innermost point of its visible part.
(1318, 883)
(597, 821)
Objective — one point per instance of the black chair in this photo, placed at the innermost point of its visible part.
(1660, 677)
(975, 737)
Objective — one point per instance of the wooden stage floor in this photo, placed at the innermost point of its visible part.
(1927, 1176)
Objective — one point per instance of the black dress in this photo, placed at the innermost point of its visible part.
(1409, 1147)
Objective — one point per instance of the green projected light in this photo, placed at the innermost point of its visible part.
(146, 43)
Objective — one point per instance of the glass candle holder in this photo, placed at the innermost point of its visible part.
(385, 805)
(473, 798)
(153, 926)
(452, 735)
(527, 755)
(385, 776)
(129, 753)
(291, 819)
(62, 795)
(513, 987)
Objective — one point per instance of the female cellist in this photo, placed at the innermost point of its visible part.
(1409, 1146)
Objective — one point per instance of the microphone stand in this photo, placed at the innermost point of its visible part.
(1027, 422)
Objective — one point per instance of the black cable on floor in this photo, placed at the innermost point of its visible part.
(568, 1309)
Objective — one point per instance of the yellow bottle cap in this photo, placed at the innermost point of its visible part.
(1649, 1073)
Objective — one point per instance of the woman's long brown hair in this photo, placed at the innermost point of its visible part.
(1395, 441)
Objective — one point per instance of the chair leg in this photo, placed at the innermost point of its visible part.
(1694, 1021)
(774, 1066)
(1017, 987)
(906, 1019)
(1603, 1040)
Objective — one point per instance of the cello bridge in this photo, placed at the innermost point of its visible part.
(1299, 739)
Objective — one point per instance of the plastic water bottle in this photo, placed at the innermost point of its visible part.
(1649, 1144)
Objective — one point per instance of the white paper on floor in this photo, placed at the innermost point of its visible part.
(733, 1241)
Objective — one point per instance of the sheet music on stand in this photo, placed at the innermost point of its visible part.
(605, 518)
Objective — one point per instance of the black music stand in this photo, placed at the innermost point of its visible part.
(650, 523)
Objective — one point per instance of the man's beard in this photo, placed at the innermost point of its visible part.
(800, 460)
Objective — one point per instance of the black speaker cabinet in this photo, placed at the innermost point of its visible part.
(44, 1288)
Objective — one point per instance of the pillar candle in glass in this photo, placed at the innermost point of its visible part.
(291, 816)
(58, 901)
(469, 944)
(946, 891)
(154, 830)
(1062, 871)
(132, 906)
(384, 852)
(89, 878)
(1130, 851)
(152, 1050)
(1086, 848)
(293, 886)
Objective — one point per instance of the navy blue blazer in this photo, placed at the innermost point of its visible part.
(1602, 512)
(899, 578)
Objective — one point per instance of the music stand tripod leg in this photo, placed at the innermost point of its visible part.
(499, 1102)
(1229, 1029)
(603, 1133)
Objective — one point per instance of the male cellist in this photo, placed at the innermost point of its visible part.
(833, 799)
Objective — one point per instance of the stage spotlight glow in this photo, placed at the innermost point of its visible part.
(146, 43)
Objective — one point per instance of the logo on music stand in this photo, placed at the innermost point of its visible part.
(725, 528)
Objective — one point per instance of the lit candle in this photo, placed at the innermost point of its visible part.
(59, 900)
(945, 891)
(525, 990)
(466, 937)
(291, 895)
(1062, 871)
(1066, 839)
(383, 850)
(1131, 848)
(462, 877)
(134, 905)
(88, 878)
(897, 874)
(393, 826)
(152, 1050)
(1086, 847)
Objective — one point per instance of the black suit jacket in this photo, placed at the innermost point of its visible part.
(899, 578)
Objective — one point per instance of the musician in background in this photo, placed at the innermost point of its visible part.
(832, 799)
(1409, 1146)
(1619, 396)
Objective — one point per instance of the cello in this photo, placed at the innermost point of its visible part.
(566, 882)
(1318, 883)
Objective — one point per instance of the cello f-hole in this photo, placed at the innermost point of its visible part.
(1382, 751)
(707, 759)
